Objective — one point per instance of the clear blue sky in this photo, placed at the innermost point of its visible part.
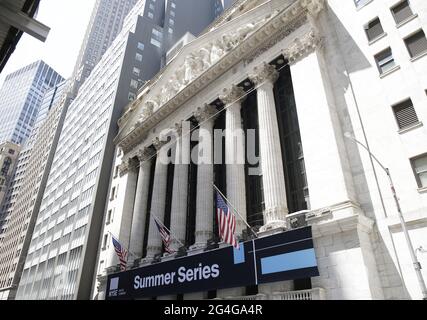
(68, 20)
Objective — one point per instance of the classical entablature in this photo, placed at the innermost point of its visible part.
(214, 53)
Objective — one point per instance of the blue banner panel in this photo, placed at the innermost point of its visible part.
(285, 256)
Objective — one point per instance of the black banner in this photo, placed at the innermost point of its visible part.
(285, 256)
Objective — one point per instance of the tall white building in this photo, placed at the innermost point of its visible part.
(303, 75)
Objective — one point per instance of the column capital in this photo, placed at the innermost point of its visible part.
(207, 112)
(158, 144)
(177, 128)
(301, 47)
(313, 6)
(233, 94)
(144, 154)
(127, 165)
(263, 73)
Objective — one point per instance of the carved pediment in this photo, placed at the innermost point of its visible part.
(206, 58)
(193, 60)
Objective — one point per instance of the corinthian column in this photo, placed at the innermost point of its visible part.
(204, 201)
(180, 184)
(235, 153)
(141, 201)
(158, 200)
(273, 176)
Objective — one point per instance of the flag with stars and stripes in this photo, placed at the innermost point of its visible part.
(121, 253)
(226, 222)
(165, 234)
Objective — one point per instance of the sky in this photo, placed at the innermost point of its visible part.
(67, 20)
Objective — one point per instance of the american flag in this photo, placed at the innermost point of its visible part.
(226, 222)
(121, 253)
(164, 233)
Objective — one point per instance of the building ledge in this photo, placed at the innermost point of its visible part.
(419, 56)
(407, 20)
(410, 128)
(364, 5)
(422, 190)
(388, 72)
(383, 35)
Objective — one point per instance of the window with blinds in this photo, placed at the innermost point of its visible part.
(385, 61)
(401, 12)
(374, 29)
(419, 164)
(416, 44)
(405, 114)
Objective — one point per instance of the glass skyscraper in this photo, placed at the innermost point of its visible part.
(20, 99)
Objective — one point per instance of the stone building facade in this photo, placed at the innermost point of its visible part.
(303, 75)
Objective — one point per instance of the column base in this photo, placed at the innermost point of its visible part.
(273, 227)
(197, 248)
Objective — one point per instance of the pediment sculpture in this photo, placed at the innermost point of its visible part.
(195, 63)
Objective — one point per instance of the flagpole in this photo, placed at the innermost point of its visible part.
(158, 220)
(133, 254)
(232, 207)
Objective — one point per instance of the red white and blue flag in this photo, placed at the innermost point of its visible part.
(165, 234)
(226, 222)
(121, 253)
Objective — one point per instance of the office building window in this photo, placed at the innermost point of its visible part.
(173, 5)
(134, 84)
(136, 71)
(150, 15)
(151, 6)
(109, 216)
(171, 22)
(405, 114)
(170, 30)
(419, 165)
(113, 194)
(361, 3)
(401, 12)
(156, 43)
(140, 46)
(157, 34)
(385, 61)
(172, 13)
(104, 242)
(138, 57)
(416, 44)
(374, 29)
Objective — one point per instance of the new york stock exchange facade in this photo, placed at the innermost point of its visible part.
(254, 87)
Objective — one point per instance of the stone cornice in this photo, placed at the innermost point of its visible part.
(277, 26)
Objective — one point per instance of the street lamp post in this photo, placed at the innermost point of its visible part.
(415, 262)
